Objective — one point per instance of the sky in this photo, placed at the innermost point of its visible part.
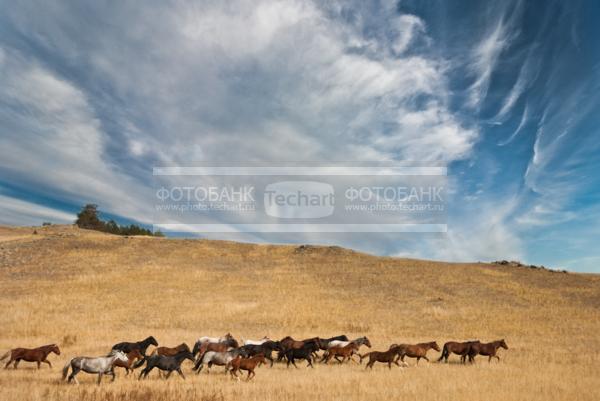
(505, 94)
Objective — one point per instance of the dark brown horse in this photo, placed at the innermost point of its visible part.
(247, 364)
(166, 351)
(345, 352)
(38, 355)
(288, 343)
(132, 356)
(142, 346)
(457, 348)
(485, 349)
(417, 350)
(388, 357)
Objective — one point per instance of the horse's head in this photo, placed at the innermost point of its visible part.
(54, 348)
(366, 341)
(260, 358)
(228, 336)
(243, 352)
(232, 342)
(503, 344)
(197, 346)
(151, 341)
(186, 355)
(183, 347)
(435, 346)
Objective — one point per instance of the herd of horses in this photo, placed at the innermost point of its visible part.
(226, 351)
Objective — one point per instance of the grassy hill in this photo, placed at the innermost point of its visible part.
(86, 291)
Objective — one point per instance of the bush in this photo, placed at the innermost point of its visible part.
(88, 218)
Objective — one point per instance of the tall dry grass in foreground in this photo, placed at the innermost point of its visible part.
(87, 291)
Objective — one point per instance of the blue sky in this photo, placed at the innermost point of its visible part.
(505, 94)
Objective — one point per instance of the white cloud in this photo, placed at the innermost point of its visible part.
(19, 212)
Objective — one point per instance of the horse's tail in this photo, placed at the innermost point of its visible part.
(6, 355)
(65, 370)
(445, 353)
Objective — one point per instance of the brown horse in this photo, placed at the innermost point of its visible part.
(38, 355)
(132, 356)
(456, 348)
(247, 364)
(345, 352)
(166, 351)
(288, 343)
(488, 350)
(217, 347)
(417, 350)
(388, 357)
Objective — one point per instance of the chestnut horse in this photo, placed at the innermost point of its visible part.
(488, 350)
(417, 350)
(456, 348)
(345, 352)
(166, 351)
(388, 357)
(132, 356)
(216, 347)
(38, 355)
(248, 364)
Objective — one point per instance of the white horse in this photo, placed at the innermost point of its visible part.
(359, 341)
(101, 365)
(217, 358)
(206, 339)
(257, 342)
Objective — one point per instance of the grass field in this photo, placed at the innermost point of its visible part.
(86, 291)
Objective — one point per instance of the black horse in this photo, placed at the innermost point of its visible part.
(301, 353)
(141, 346)
(265, 348)
(166, 363)
(325, 341)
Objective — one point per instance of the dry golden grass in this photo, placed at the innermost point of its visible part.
(86, 291)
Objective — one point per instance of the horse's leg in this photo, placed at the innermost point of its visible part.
(309, 359)
(253, 374)
(489, 359)
(74, 372)
(99, 377)
(418, 359)
(48, 362)
(427, 359)
(39, 363)
(497, 357)
(168, 375)
(16, 363)
(389, 365)
(10, 360)
(180, 372)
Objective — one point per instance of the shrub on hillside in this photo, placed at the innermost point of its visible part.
(88, 218)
